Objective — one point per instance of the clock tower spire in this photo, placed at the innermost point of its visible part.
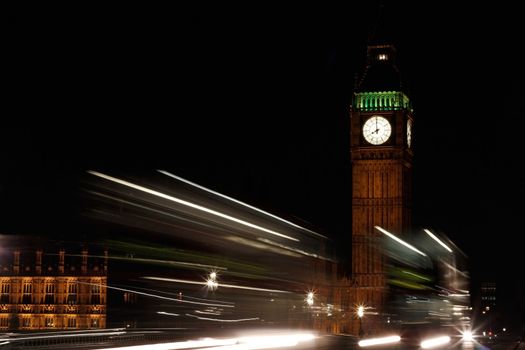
(381, 155)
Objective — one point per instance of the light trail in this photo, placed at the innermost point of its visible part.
(189, 204)
(434, 342)
(207, 312)
(397, 239)
(167, 313)
(238, 202)
(300, 251)
(241, 343)
(220, 285)
(222, 320)
(379, 341)
(437, 240)
(168, 262)
(51, 336)
(159, 296)
(179, 295)
(189, 344)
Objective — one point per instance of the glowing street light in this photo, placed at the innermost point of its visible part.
(211, 282)
(467, 336)
(360, 314)
(360, 311)
(310, 298)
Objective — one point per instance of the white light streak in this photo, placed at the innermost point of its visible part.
(300, 251)
(242, 343)
(189, 344)
(433, 342)
(397, 239)
(222, 320)
(222, 285)
(437, 240)
(167, 313)
(170, 262)
(379, 341)
(160, 296)
(207, 312)
(237, 201)
(189, 204)
(458, 271)
(64, 335)
(258, 245)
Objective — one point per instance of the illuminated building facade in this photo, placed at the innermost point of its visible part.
(381, 155)
(46, 291)
(489, 312)
(488, 295)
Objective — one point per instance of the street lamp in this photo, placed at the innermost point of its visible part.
(360, 314)
(310, 298)
(310, 302)
(211, 282)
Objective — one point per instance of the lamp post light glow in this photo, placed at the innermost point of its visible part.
(360, 314)
(211, 282)
(310, 302)
(360, 311)
(310, 298)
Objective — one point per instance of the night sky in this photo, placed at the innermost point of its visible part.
(254, 102)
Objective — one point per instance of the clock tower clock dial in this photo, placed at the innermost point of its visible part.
(377, 130)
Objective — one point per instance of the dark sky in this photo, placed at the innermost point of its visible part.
(253, 101)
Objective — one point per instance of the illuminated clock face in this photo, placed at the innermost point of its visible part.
(377, 130)
(409, 133)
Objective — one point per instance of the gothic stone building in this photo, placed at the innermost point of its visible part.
(51, 290)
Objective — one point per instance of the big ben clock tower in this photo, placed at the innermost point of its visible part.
(381, 155)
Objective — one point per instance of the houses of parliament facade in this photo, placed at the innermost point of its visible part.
(52, 290)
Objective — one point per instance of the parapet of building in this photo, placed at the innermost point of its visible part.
(50, 290)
